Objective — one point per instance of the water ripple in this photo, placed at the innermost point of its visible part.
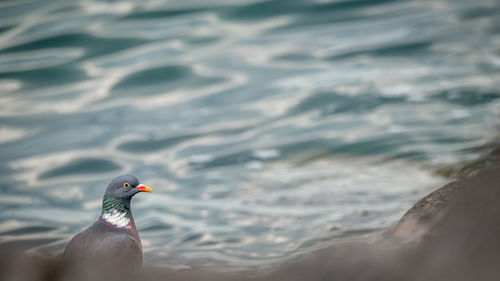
(26, 61)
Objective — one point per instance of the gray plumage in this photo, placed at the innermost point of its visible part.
(113, 238)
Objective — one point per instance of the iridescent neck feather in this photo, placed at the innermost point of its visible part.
(116, 212)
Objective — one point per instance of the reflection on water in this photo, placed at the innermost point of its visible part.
(266, 128)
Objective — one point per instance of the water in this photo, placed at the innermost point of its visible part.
(266, 128)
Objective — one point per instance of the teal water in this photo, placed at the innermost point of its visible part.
(265, 128)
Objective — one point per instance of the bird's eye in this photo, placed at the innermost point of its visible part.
(126, 185)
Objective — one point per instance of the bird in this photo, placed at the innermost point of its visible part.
(113, 237)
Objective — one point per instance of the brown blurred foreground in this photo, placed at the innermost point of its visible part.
(452, 234)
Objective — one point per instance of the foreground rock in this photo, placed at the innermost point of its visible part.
(462, 242)
(429, 211)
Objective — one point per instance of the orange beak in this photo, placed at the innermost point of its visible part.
(144, 188)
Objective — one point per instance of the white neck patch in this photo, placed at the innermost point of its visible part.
(117, 219)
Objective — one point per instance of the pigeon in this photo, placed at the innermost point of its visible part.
(113, 237)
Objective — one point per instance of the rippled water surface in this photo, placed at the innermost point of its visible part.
(265, 128)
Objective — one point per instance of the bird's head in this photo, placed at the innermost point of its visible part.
(125, 187)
